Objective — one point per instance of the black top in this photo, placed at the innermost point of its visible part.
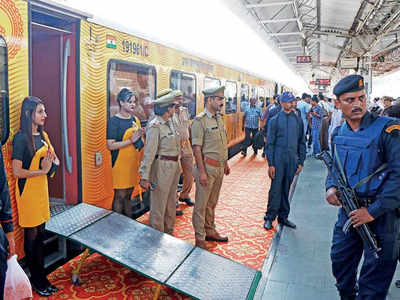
(21, 152)
(115, 131)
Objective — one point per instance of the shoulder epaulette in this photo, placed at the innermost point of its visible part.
(200, 115)
(392, 128)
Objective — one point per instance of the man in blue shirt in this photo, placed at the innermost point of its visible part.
(286, 152)
(251, 119)
(366, 150)
(304, 108)
(316, 123)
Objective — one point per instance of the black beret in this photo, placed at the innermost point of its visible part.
(351, 83)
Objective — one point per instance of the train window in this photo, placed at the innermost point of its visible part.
(136, 77)
(210, 82)
(261, 97)
(231, 97)
(4, 112)
(244, 96)
(187, 84)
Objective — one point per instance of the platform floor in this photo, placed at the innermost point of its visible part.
(239, 215)
(298, 266)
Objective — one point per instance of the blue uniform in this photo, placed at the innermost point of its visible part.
(6, 224)
(285, 150)
(361, 153)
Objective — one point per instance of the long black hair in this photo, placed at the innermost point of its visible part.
(26, 119)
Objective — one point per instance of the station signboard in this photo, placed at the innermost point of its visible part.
(303, 59)
(323, 82)
(349, 62)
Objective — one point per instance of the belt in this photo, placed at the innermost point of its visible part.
(213, 162)
(167, 157)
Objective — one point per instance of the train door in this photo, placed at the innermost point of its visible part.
(53, 63)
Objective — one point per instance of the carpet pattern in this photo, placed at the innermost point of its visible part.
(239, 215)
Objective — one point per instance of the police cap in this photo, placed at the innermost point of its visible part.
(177, 93)
(163, 93)
(286, 97)
(165, 100)
(212, 91)
(351, 83)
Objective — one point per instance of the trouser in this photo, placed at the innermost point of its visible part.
(34, 251)
(3, 261)
(376, 274)
(206, 200)
(165, 176)
(309, 141)
(122, 203)
(315, 137)
(248, 139)
(187, 168)
(278, 197)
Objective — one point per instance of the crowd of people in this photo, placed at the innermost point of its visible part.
(154, 158)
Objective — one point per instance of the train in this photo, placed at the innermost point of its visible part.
(77, 65)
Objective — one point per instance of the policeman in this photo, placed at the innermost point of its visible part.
(160, 167)
(181, 121)
(286, 152)
(6, 228)
(367, 147)
(211, 154)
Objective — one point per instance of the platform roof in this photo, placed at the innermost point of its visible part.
(330, 31)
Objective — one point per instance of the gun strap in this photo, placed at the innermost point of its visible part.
(339, 163)
(368, 178)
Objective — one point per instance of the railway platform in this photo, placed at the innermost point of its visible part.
(298, 266)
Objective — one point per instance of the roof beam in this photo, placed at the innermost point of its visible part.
(288, 47)
(268, 4)
(286, 33)
(279, 20)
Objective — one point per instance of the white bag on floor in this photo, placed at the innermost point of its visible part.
(17, 284)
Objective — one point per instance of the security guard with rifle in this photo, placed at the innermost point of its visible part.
(366, 153)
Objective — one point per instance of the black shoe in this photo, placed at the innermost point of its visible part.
(268, 225)
(287, 223)
(41, 292)
(52, 289)
(263, 155)
(179, 213)
(188, 201)
(244, 153)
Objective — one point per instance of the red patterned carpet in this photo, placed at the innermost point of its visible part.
(239, 215)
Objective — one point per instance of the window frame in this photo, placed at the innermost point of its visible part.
(248, 95)
(195, 87)
(213, 78)
(120, 61)
(236, 96)
(5, 99)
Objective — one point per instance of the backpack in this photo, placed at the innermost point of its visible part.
(258, 141)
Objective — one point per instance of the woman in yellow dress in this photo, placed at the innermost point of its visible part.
(124, 140)
(34, 159)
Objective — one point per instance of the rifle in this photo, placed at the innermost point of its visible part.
(348, 198)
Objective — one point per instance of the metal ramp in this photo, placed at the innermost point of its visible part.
(161, 257)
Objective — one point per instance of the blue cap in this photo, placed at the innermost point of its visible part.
(286, 97)
(351, 83)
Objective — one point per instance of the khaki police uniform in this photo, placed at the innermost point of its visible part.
(208, 132)
(160, 166)
(181, 123)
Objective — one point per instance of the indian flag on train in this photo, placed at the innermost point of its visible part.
(111, 41)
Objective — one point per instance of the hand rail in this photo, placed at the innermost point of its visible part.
(68, 158)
